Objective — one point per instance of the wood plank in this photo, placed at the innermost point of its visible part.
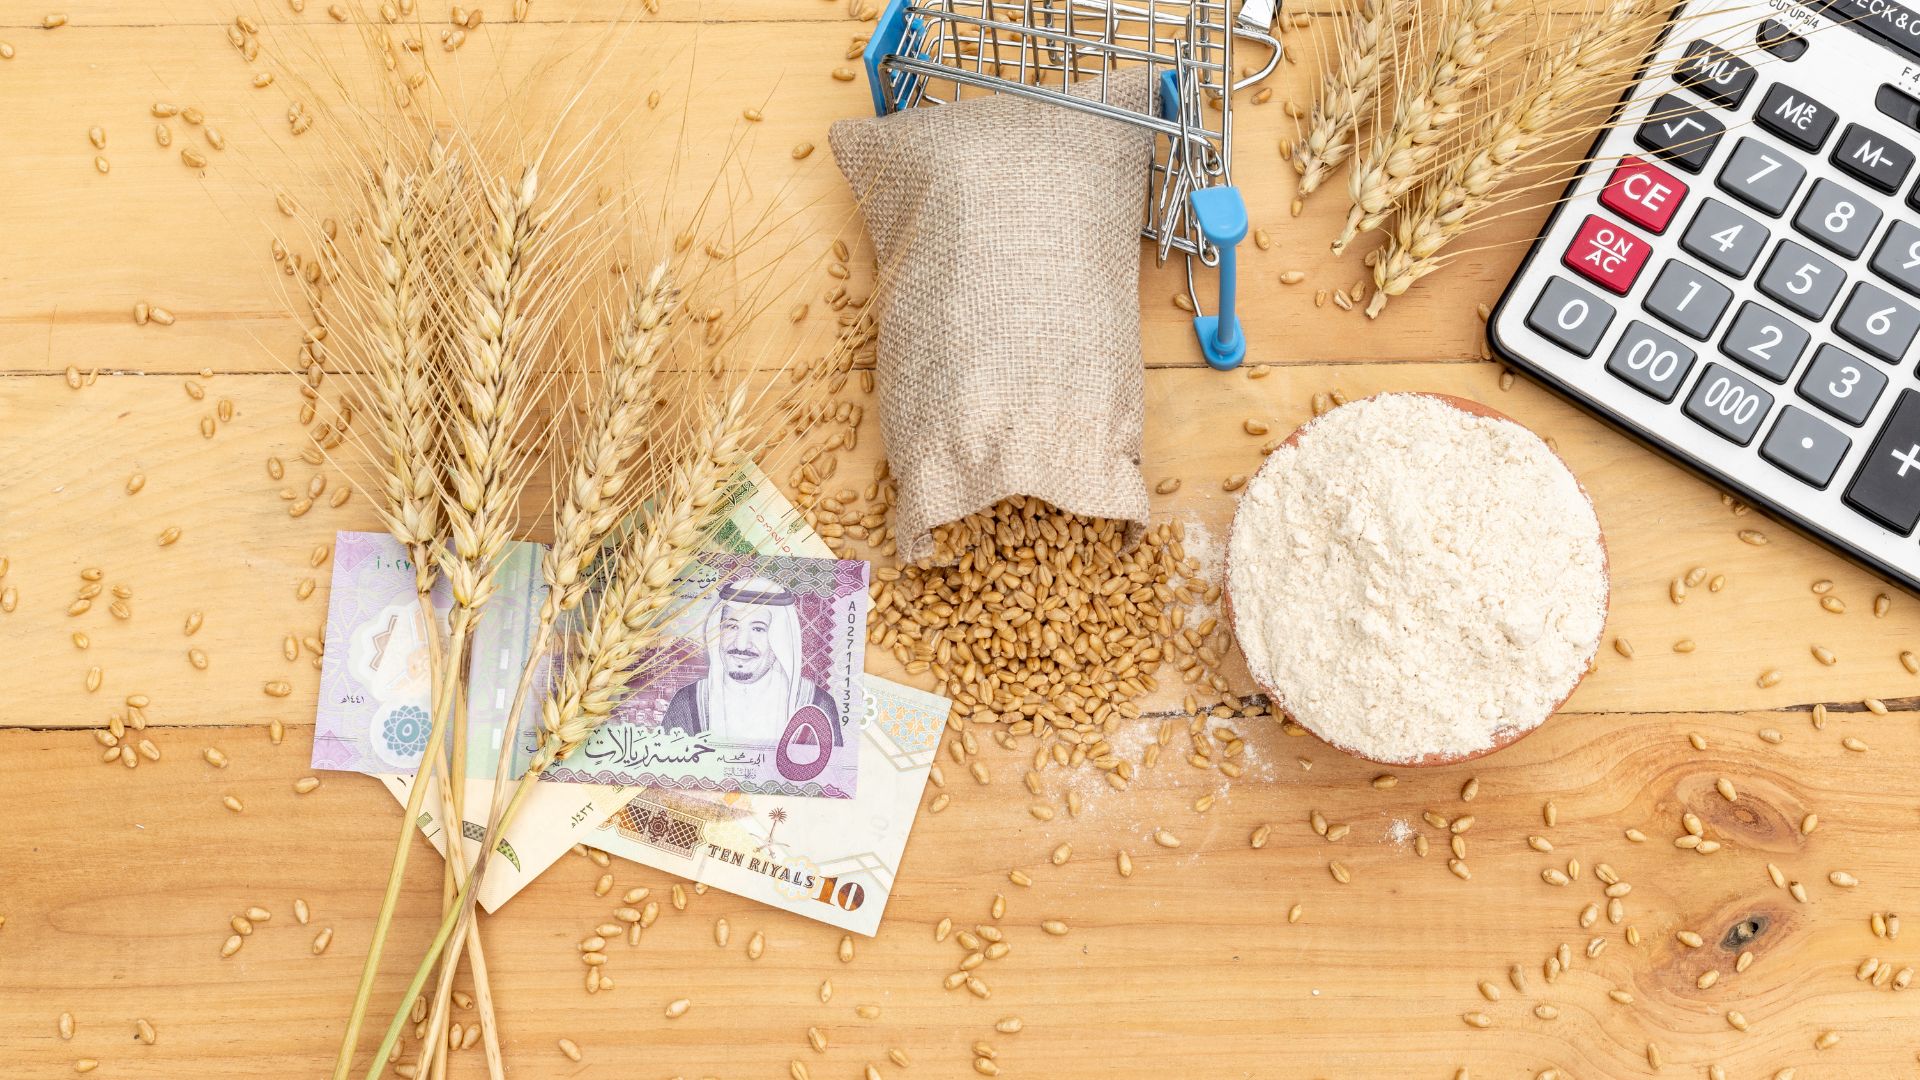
(106, 242)
(241, 559)
(117, 910)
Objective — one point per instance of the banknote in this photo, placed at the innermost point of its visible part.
(830, 860)
(754, 687)
(777, 624)
(374, 703)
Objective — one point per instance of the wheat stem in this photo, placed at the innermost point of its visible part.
(1424, 108)
(416, 797)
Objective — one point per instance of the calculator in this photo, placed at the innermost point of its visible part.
(1734, 276)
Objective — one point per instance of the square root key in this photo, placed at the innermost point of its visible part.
(1680, 131)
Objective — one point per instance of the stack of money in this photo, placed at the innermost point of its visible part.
(754, 753)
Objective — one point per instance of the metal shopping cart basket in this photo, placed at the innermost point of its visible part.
(933, 51)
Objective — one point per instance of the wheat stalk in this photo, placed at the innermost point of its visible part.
(1424, 108)
(625, 622)
(486, 469)
(1597, 57)
(1353, 79)
(598, 490)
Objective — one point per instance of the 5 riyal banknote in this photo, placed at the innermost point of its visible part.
(753, 687)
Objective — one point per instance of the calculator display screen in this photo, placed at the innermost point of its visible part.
(1894, 24)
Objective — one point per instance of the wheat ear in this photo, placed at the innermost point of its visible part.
(626, 620)
(1424, 107)
(404, 412)
(1569, 75)
(1353, 80)
(597, 486)
(491, 386)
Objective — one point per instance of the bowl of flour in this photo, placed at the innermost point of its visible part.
(1416, 579)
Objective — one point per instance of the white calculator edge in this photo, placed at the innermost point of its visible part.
(1844, 68)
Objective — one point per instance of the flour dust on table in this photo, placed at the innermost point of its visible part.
(1414, 582)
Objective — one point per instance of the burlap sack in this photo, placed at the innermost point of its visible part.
(1008, 237)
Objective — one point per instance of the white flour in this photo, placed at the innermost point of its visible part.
(1412, 580)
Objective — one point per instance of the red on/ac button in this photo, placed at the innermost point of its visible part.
(1607, 254)
(1644, 194)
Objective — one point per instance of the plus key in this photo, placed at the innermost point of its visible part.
(1887, 487)
(1643, 193)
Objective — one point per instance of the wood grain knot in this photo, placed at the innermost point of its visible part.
(1741, 935)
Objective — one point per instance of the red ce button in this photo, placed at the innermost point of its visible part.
(1643, 194)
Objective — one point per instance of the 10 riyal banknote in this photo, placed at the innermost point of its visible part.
(829, 860)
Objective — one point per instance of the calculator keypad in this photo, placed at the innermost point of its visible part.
(1730, 405)
(1765, 341)
(1643, 193)
(1809, 449)
(1874, 158)
(1842, 384)
(1795, 117)
(1570, 316)
(1680, 132)
(1687, 299)
(1887, 487)
(1878, 321)
(1607, 255)
(1898, 259)
(1650, 361)
(1715, 74)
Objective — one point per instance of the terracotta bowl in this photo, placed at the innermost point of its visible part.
(1501, 742)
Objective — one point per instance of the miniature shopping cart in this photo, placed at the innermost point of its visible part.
(933, 51)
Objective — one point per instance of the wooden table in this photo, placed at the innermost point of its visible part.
(116, 885)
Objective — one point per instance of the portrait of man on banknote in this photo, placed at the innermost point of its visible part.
(753, 685)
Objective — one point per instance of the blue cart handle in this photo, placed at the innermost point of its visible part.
(1222, 215)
